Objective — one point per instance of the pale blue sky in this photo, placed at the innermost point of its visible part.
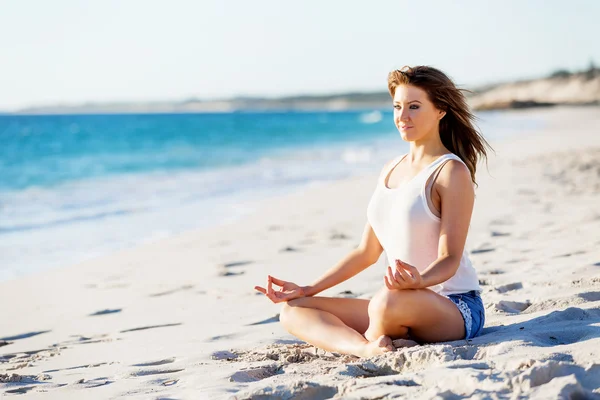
(71, 51)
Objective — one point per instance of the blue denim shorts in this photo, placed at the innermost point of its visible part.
(470, 306)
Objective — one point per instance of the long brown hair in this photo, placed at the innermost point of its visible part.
(457, 130)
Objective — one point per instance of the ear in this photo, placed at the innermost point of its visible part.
(441, 115)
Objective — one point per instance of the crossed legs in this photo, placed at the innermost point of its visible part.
(366, 327)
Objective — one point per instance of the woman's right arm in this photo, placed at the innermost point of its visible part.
(359, 259)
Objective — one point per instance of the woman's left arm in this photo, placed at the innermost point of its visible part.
(455, 188)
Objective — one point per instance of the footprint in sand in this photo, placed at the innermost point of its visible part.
(482, 250)
(155, 371)
(237, 264)
(142, 328)
(107, 311)
(224, 268)
(499, 234)
(221, 337)
(496, 272)
(24, 359)
(76, 367)
(167, 382)
(349, 294)
(79, 339)
(20, 390)
(23, 336)
(12, 380)
(92, 383)
(515, 260)
(266, 321)
(155, 363)
(575, 253)
(289, 248)
(255, 374)
(223, 273)
(512, 307)
(509, 287)
(167, 292)
(223, 355)
(339, 236)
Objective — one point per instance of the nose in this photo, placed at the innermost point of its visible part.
(404, 115)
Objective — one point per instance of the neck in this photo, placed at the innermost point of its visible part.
(428, 147)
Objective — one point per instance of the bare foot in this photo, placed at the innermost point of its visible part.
(382, 345)
(404, 343)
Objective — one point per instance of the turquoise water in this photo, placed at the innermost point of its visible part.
(49, 150)
(78, 186)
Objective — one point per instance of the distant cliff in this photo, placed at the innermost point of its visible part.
(562, 87)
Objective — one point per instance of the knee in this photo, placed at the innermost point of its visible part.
(385, 302)
(288, 311)
(285, 314)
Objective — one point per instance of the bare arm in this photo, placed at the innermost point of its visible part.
(359, 259)
(457, 198)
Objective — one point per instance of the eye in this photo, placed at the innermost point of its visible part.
(413, 107)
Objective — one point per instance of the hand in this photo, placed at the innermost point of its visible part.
(405, 276)
(288, 291)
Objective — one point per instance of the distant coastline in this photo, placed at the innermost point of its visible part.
(560, 88)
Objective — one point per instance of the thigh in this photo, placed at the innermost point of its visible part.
(429, 316)
(352, 312)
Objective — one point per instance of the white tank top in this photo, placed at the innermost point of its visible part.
(408, 230)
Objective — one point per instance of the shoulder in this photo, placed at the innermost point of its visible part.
(455, 175)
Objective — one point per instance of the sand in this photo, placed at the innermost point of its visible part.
(179, 319)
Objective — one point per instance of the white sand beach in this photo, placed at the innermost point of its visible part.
(179, 318)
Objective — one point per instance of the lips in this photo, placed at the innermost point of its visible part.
(405, 127)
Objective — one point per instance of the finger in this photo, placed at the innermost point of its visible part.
(273, 297)
(395, 278)
(387, 283)
(390, 275)
(261, 289)
(404, 271)
(394, 284)
(403, 275)
(269, 286)
(278, 282)
(407, 267)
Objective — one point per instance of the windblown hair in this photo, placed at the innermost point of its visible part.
(457, 130)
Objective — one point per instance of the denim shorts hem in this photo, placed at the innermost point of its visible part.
(471, 308)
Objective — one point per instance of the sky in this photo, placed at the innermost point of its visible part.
(74, 51)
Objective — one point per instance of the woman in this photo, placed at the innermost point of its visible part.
(419, 214)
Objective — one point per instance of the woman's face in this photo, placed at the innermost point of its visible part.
(414, 115)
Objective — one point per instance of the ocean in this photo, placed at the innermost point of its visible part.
(74, 187)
